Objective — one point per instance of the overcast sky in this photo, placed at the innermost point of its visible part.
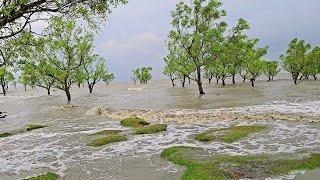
(135, 33)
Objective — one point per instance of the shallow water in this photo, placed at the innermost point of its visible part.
(62, 146)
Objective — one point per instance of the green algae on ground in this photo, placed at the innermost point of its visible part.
(48, 176)
(6, 134)
(230, 134)
(202, 165)
(151, 129)
(106, 132)
(134, 122)
(107, 140)
(31, 127)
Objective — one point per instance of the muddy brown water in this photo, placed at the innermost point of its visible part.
(61, 147)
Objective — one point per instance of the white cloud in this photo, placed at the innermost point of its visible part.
(145, 43)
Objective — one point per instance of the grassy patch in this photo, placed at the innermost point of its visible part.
(48, 176)
(6, 134)
(106, 132)
(202, 165)
(31, 127)
(107, 140)
(230, 134)
(134, 122)
(151, 129)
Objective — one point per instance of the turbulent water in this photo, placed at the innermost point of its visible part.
(61, 147)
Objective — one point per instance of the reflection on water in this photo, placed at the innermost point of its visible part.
(62, 146)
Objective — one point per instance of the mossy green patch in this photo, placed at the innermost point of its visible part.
(230, 134)
(151, 129)
(106, 132)
(48, 176)
(6, 134)
(202, 165)
(107, 140)
(31, 127)
(134, 122)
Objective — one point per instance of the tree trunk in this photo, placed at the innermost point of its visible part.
(295, 80)
(25, 87)
(252, 82)
(199, 82)
(244, 79)
(172, 81)
(209, 80)
(4, 91)
(183, 81)
(269, 78)
(189, 80)
(315, 77)
(67, 90)
(223, 82)
(90, 86)
(48, 91)
(233, 79)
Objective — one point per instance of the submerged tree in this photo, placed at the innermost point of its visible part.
(196, 28)
(63, 52)
(313, 62)
(95, 71)
(108, 78)
(295, 59)
(5, 77)
(8, 58)
(254, 64)
(143, 74)
(271, 69)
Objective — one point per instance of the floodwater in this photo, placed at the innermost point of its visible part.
(61, 147)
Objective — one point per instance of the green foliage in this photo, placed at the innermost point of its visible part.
(108, 78)
(31, 127)
(143, 74)
(202, 165)
(6, 134)
(151, 129)
(107, 132)
(295, 59)
(48, 176)
(17, 16)
(107, 140)
(34, 75)
(230, 134)
(134, 122)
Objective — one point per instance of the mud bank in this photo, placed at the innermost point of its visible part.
(205, 116)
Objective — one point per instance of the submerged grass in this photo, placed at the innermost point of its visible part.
(106, 132)
(134, 122)
(6, 134)
(48, 176)
(151, 129)
(107, 140)
(230, 134)
(205, 166)
(31, 127)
